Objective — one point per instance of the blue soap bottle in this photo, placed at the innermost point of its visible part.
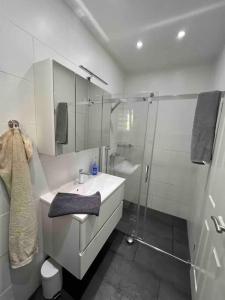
(94, 168)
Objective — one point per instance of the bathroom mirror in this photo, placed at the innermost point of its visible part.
(106, 119)
(82, 120)
(64, 108)
(92, 117)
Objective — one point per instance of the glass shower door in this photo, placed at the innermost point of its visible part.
(175, 189)
(126, 155)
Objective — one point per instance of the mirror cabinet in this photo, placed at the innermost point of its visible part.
(70, 112)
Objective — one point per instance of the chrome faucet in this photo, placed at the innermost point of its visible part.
(81, 175)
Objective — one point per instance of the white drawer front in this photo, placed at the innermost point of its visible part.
(93, 224)
(90, 253)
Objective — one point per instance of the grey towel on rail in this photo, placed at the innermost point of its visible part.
(68, 203)
(61, 132)
(203, 132)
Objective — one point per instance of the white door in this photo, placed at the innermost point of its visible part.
(209, 273)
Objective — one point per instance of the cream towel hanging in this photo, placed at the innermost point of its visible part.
(15, 153)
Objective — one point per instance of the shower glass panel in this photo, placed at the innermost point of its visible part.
(127, 142)
(173, 202)
(150, 146)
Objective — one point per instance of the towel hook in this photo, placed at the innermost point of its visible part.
(13, 124)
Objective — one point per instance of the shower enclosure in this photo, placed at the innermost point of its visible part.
(127, 141)
(150, 141)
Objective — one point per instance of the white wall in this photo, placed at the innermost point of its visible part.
(172, 178)
(31, 31)
(219, 77)
(191, 79)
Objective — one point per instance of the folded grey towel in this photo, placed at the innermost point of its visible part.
(204, 127)
(67, 203)
(61, 132)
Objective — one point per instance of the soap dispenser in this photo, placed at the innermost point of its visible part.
(94, 168)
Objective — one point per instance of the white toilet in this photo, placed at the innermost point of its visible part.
(51, 274)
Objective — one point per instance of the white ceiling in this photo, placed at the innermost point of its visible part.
(118, 24)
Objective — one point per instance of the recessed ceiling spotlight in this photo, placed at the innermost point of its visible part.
(181, 34)
(139, 45)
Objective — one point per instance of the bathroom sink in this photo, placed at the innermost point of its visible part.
(104, 183)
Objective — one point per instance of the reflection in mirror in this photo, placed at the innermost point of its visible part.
(106, 119)
(92, 116)
(64, 107)
(81, 113)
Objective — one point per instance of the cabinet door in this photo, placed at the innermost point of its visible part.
(95, 95)
(88, 114)
(92, 116)
(106, 119)
(64, 92)
(99, 117)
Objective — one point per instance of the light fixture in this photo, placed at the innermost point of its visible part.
(181, 34)
(139, 45)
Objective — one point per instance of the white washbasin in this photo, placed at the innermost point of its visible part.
(104, 183)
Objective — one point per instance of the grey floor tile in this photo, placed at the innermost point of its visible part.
(131, 279)
(180, 223)
(168, 291)
(164, 267)
(123, 279)
(181, 250)
(129, 216)
(38, 295)
(180, 235)
(126, 227)
(103, 292)
(133, 207)
(127, 205)
(160, 216)
(156, 226)
(163, 243)
(119, 245)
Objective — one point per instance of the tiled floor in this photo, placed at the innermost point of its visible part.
(134, 272)
(159, 229)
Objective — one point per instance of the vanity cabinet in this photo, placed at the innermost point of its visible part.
(75, 240)
(88, 117)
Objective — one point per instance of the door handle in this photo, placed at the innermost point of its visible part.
(220, 228)
(146, 173)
